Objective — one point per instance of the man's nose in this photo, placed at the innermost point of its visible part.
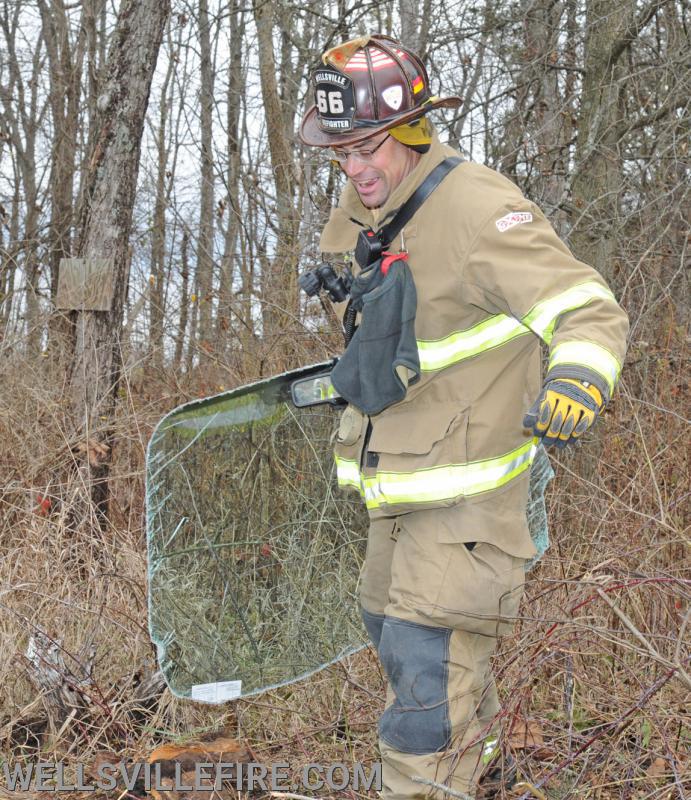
(353, 166)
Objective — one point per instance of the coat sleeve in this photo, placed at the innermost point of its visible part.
(517, 265)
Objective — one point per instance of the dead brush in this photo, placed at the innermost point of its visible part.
(594, 678)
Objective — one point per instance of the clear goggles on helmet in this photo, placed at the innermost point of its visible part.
(364, 156)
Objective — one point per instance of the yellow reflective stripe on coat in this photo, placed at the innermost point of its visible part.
(542, 318)
(348, 473)
(447, 482)
(489, 333)
(592, 355)
(436, 484)
(499, 329)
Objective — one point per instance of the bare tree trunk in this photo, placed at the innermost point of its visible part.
(235, 90)
(20, 117)
(184, 299)
(97, 37)
(552, 106)
(9, 258)
(65, 76)
(279, 281)
(248, 246)
(105, 222)
(193, 325)
(597, 180)
(472, 70)
(205, 260)
(92, 12)
(158, 233)
(7, 268)
(415, 20)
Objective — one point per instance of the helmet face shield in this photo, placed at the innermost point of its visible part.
(367, 85)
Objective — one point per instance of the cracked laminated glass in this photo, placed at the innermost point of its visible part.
(254, 554)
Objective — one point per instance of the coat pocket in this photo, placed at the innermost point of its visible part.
(480, 591)
(408, 441)
(411, 457)
(350, 441)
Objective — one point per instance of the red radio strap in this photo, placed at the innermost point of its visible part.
(389, 258)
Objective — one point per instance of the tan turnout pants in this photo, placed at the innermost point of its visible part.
(434, 611)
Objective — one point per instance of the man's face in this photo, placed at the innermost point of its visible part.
(374, 178)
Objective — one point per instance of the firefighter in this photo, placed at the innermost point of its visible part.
(444, 471)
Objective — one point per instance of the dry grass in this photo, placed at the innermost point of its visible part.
(595, 677)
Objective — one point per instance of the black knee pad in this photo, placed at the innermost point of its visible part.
(415, 658)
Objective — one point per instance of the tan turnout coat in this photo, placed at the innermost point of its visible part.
(492, 280)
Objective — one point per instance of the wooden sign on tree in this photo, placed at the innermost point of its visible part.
(85, 284)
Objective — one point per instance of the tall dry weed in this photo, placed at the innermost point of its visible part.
(594, 679)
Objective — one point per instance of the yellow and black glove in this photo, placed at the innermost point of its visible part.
(564, 411)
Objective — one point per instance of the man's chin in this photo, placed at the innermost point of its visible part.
(371, 199)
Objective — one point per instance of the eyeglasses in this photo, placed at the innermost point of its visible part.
(364, 156)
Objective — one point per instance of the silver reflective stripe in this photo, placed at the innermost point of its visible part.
(588, 354)
(436, 484)
(347, 472)
(542, 318)
(464, 344)
(447, 482)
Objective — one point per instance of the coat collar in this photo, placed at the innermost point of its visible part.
(340, 232)
(350, 201)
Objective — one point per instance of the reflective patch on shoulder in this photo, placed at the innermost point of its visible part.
(513, 218)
